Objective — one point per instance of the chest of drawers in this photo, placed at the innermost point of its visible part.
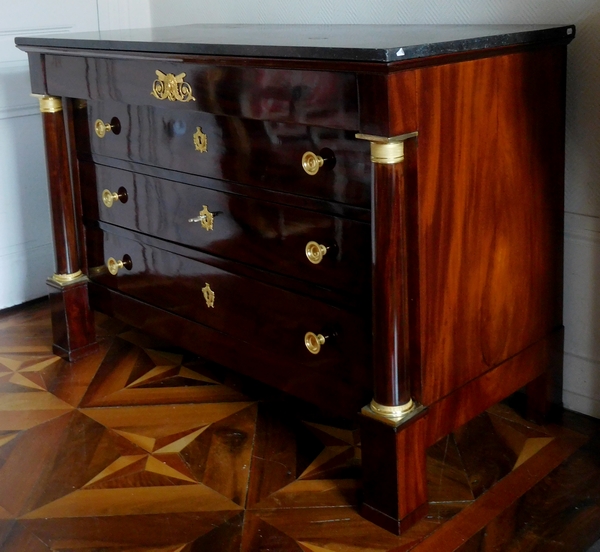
(368, 218)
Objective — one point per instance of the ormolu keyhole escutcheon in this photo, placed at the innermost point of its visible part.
(205, 218)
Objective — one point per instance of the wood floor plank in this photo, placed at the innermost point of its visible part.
(51, 460)
(6, 526)
(21, 540)
(334, 462)
(157, 421)
(274, 456)
(119, 380)
(447, 479)
(142, 447)
(132, 501)
(25, 460)
(114, 371)
(486, 458)
(259, 535)
(321, 493)
(475, 517)
(226, 537)
(31, 400)
(341, 529)
(564, 508)
(221, 456)
(501, 531)
(69, 381)
(163, 531)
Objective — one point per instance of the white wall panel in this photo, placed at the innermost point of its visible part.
(582, 197)
(26, 256)
(180, 12)
(120, 14)
(582, 314)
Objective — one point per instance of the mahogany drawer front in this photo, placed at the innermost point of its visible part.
(257, 153)
(326, 98)
(266, 316)
(263, 234)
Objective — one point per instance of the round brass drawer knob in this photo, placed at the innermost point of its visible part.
(311, 162)
(114, 266)
(314, 342)
(315, 252)
(108, 198)
(102, 128)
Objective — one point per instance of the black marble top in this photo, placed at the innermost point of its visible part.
(377, 43)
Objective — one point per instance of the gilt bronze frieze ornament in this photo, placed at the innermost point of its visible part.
(171, 87)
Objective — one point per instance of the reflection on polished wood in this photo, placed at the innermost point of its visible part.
(144, 447)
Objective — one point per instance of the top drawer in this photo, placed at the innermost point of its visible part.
(322, 98)
(259, 153)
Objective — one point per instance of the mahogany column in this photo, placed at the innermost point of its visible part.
(392, 425)
(72, 318)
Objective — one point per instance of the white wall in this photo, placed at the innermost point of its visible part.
(123, 14)
(582, 247)
(26, 255)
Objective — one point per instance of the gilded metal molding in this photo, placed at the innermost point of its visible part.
(416, 411)
(387, 151)
(387, 154)
(200, 140)
(172, 87)
(209, 296)
(68, 279)
(50, 104)
(394, 413)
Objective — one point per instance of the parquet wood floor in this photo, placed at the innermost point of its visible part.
(143, 448)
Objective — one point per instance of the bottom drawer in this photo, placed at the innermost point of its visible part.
(341, 390)
(308, 331)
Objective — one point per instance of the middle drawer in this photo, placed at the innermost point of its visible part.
(330, 251)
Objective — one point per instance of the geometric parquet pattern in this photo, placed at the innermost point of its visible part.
(145, 448)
